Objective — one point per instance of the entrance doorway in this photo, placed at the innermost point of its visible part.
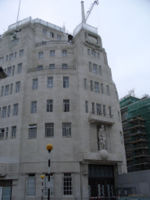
(101, 182)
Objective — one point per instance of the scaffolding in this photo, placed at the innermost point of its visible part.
(136, 127)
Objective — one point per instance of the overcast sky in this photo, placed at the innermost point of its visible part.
(124, 26)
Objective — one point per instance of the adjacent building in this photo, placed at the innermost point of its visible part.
(136, 128)
(58, 90)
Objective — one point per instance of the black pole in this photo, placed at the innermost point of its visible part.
(49, 164)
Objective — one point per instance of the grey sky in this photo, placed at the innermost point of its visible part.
(124, 26)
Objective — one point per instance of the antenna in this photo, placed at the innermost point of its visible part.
(84, 18)
(18, 11)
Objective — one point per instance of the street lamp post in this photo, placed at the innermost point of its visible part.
(42, 177)
(49, 148)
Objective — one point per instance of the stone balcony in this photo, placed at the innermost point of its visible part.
(101, 119)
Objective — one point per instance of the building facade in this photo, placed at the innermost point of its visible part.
(59, 90)
(136, 128)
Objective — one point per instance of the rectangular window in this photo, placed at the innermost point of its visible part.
(65, 82)
(18, 84)
(90, 67)
(2, 133)
(2, 91)
(4, 112)
(13, 131)
(40, 54)
(67, 184)
(95, 68)
(13, 70)
(49, 105)
(107, 90)
(51, 34)
(33, 106)
(50, 82)
(49, 129)
(35, 84)
(96, 87)
(39, 67)
(100, 70)
(110, 111)
(66, 105)
(102, 88)
(98, 109)
(21, 52)
(15, 109)
(6, 90)
(58, 37)
(45, 183)
(11, 88)
(88, 51)
(104, 110)
(64, 52)
(30, 185)
(86, 107)
(6, 130)
(91, 85)
(64, 66)
(85, 83)
(32, 131)
(8, 111)
(52, 66)
(52, 53)
(93, 108)
(9, 71)
(19, 68)
(66, 129)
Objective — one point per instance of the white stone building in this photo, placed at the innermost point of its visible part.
(59, 90)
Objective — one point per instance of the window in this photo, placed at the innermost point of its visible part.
(49, 129)
(6, 130)
(6, 90)
(50, 82)
(88, 51)
(11, 88)
(64, 52)
(21, 52)
(49, 105)
(8, 111)
(51, 34)
(35, 84)
(13, 70)
(86, 106)
(100, 70)
(110, 111)
(39, 67)
(90, 67)
(30, 185)
(58, 37)
(104, 110)
(102, 88)
(13, 131)
(107, 90)
(44, 30)
(45, 181)
(32, 131)
(2, 91)
(95, 68)
(33, 106)
(66, 129)
(9, 72)
(4, 112)
(91, 85)
(85, 83)
(96, 87)
(52, 52)
(15, 109)
(19, 68)
(65, 82)
(2, 132)
(52, 66)
(67, 184)
(93, 108)
(98, 109)
(18, 84)
(66, 105)
(64, 66)
(40, 54)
